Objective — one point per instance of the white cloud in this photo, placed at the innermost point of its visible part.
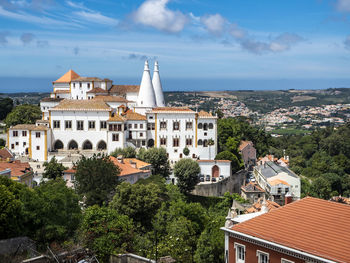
(347, 42)
(343, 5)
(236, 31)
(96, 17)
(215, 24)
(155, 13)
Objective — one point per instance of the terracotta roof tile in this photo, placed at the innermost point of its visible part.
(139, 164)
(133, 116)
(51, 99)
(81, 105)
(5, 153)
(123, 89)
(87, 79)
(116, 118)
(172, 109)
(203, 114)
(277, 181)
(17, 168)
(98, 90)
(68, 77)
(244, 144)
(252, 187)
(111, 98)
(125, 168)
(30, 127)
(61, 91)
(311, 225)
(256, 207)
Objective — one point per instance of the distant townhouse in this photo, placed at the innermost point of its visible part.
(248, 152)
(252, 192)
(305, 231)
(17, 171)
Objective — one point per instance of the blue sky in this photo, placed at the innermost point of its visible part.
(272, 41)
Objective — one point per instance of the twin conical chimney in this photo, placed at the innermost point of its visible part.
(157, 86)
(146, 97)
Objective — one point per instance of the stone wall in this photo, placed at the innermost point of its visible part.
(129, 258)
(231, 184)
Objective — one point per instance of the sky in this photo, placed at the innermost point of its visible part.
(200, 44)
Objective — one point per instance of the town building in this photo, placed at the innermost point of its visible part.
(304, 231)
(252, 192)
(248, 152)
(277, 180)
(88, 115)
(17, 171)
(6, 155)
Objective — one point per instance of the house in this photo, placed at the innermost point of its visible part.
(258, 205)
(6, 155)
(252, 192)
(215, 168)
(248, 152)
(277, 180)
(17, 171)
(307, 230)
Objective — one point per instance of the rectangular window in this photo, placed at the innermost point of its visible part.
(24, 143)
(80, 84)
(56, 124)
(103, 125)
(151, 126)
(12, 146)
(91, 125)
(176, 142)
(17, 143)
(88, 85)
(80, 125)
(188, 142)
(188, 125)
(68, 124)
(162, 141)
(176, 125)
(24, 133)
(15, 133)
(141, 126)
(141, 134)
(130, 126)
(143, 143)
(73, 85)
(115, 137)
(262, 257)
(37, 134)
(38, 147)
(135, 126)
(279, 190)
(240, 253)
(283, 260)
(162, 125)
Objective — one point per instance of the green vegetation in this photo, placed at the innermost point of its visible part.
(53, 169)
(128, 152)
(158, 158)
(186, 171)
(6, 105)
(23, 114)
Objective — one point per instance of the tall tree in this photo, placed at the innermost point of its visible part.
(6, 105)
(53, 169)
(186, 171)
(227, 155)
(128, 152)
(23, 114)
(96, 178)
(158, 158)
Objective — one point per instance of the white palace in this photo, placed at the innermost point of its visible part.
(88, 115)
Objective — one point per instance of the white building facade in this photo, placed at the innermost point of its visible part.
(89, 115)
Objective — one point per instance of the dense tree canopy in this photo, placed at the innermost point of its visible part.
(227, 155)
(53, 169)
(6, 105)
(186, 171)
(158, 158)
(23, 114)
(96, 178)
(128, 152)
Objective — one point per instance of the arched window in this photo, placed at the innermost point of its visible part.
(58, 145)
(215, 171)
(87, 145)
(205, 143)
(211, 126)
(102, 145)
(150, 143)
(205, 126)
(200, 125)
(72, 145)
(200, 142)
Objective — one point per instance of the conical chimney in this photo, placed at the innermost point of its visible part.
(157, 85)
(146, 97)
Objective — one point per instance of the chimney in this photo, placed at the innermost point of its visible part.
(288, 198)
(146, 96)
(120, 159)
(157, 86)
(133, 164)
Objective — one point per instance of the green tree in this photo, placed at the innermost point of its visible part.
(186, 151)
(107, 232)
(128, 152)
(23, 114)
(158, 158)
(53, 169)
(211, 243)
(226, 155)
(96, 178)
(6, 106)
(138, 201)
(186, 171)
(2, 143)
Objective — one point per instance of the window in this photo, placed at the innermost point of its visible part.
(188, 142)
(115, 137)
(240, 253)
(37, 134)
(88, 85)
(200, 125)
(73, 85)
(24, 133)
(262, 257)
(56, 124)
(92, 125)
(279, 190)
(151, 126)
(143, 143)
(38, 147)
(15, 133)
(17, 143)
(80, 84)
(24, 143)
(283, 260)
(141, 126)
(151, 117)
(176, 125)
(162, 125)
(141, 134)
(176, 142)
(286, 190)
(80, 125)
(211, 126)
(189, 125)
(200, 142)
(135, 126)
(130, 126)
(68, 124)
(103, 125)
(205, 126)
(12, 146)
(115, 127)
(162, 141)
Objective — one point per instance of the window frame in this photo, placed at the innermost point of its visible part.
(260, 253)
(284, 260)
(115, 137)
(237, 246)
(103, 125)
(176, 125)
(177, 140)
(37, 134)
(92, 125)
(68, 124)
(80, 127)
(56, 124)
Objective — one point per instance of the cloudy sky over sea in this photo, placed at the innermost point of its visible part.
(226, 44)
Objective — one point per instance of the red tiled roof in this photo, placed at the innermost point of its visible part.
(122, 89)
(244, 144)
(68, 77)
(134, 116)
(125, 167)
(5, 153)
(97, 90)
(252, 187)
(311, 225)
(217, 161)
(178, 109)
(139, 164)
(111, 98)
(17, 168)
(256, 207)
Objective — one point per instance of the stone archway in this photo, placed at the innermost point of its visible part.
(102, 145)
(87, 145)
(215, 171)
(58, 145)
(72, 145)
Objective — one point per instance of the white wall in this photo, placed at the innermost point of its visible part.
(224, 168)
